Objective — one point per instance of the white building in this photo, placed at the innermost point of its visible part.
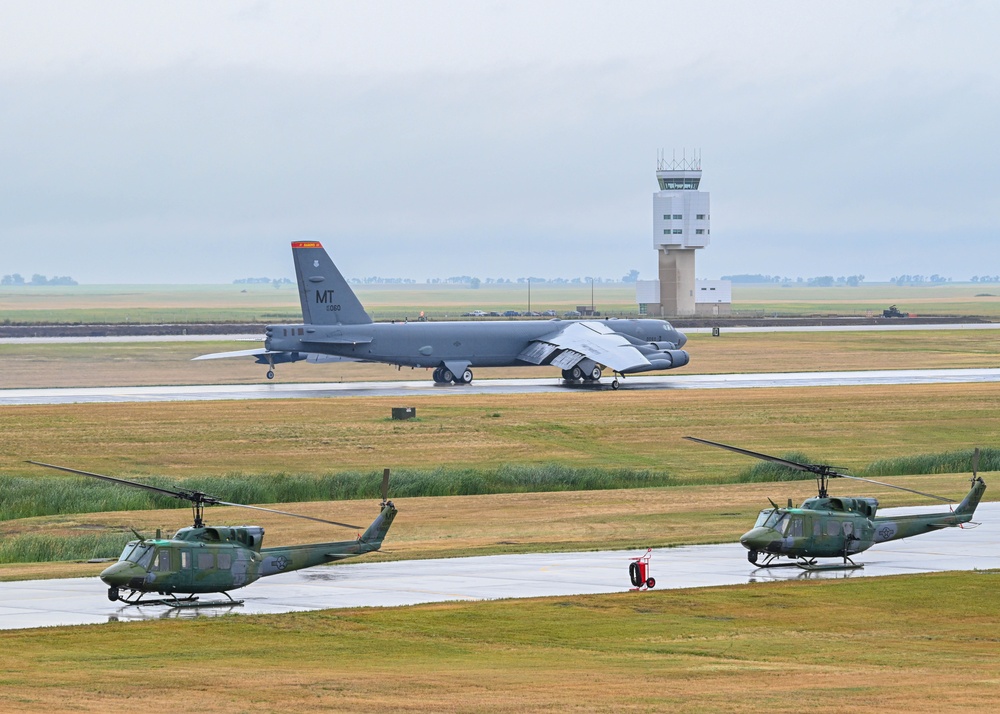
(711, 297)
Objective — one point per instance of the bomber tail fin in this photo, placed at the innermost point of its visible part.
(326, 297)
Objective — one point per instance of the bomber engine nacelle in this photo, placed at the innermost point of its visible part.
(665, 359)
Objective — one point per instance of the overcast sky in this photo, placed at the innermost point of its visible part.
(192, 141)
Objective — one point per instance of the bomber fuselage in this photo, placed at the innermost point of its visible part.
(429, 344)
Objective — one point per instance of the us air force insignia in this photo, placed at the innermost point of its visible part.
(315, 263)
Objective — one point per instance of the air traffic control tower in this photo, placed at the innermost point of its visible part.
(680, 227)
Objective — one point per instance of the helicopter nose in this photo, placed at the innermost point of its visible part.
(123, 574)
(757, 539)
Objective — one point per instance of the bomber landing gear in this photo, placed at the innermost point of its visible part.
(270, 374)
(443, 375)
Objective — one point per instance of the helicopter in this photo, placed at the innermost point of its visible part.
(202, 559)
(838, 527)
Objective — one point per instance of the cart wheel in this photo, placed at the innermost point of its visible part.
(650, 583)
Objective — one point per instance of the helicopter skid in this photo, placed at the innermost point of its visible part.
(771, 561)
(812, 565)
(182, 603)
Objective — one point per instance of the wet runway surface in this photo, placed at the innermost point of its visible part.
(77, 601)
(91, 395)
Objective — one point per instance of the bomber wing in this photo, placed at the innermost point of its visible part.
(586, 339)
(265, 356)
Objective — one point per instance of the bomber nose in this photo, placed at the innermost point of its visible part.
(681, 340)
(756, 538)
(121, 573)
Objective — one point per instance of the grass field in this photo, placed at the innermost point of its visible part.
(239, 303)
(164, 363)
(915, 643)
(847, 426)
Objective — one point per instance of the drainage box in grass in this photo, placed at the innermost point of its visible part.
(404, 412)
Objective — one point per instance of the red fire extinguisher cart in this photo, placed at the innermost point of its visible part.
(638, 572)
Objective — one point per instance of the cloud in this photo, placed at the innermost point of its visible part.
(434, 139)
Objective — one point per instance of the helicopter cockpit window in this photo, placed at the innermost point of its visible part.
(776, 520)
(796, 528)
(141, 555)
(762, 518)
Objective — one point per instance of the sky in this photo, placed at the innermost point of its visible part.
(191, 142)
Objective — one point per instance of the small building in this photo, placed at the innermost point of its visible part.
(711, 297)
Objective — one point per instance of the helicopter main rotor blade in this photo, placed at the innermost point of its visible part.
(112, 479)
(811, 468)
(899, 488)
(286, 513)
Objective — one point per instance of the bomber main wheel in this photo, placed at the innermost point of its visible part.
(446, 376)
(436, 376)
(466, 377)
(595, 374)
(752, 556)
(567, 375)
(113, 595)
(270, 374)
(576, 373)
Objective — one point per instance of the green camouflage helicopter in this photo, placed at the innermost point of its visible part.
(215, 559)
(831, 527)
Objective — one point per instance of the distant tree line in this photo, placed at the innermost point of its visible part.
(276, 282)
(36, 279)
(985, 279)
(823, 281)
(919, 279)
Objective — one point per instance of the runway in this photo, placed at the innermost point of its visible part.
(272, 390)
(79, 601)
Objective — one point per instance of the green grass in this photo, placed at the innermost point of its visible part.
(45, 548)
(947, 462)
(27, 497)
(922, 643)
(766, 471)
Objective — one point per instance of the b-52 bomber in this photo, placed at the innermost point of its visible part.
(337, 328)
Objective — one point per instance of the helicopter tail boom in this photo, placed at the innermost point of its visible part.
(375, 533)
(969, 503)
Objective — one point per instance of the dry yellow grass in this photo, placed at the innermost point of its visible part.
(848, 426)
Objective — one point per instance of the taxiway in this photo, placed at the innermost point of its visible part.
(317, 390)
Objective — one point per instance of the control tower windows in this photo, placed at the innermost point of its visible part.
(677, 216)
(679, 184)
